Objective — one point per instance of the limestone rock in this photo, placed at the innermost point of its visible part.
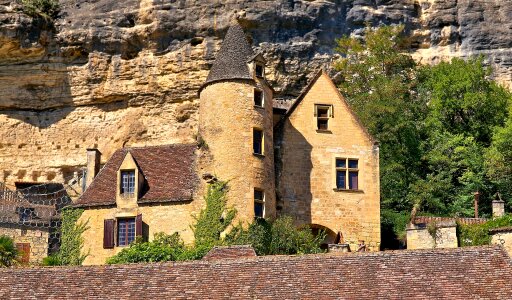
(109, 73)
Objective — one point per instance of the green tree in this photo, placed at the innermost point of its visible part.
(498, 160)
(379, 82)
(464, 108)
(8, 251)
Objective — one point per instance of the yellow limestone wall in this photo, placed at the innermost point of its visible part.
(227, 116)
(504, 239)
(307, 178)
(36, 237)
(420, 238)
(168, 218)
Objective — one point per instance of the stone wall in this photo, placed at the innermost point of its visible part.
(227, 119)
(307, 176)
(444, 236)
(37, 237)
(167, 218)
(503, 237)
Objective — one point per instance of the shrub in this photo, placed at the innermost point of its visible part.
(8, 251)
(45, 8)
(393, 226)
(52, 260)
(164, 247)
(478, 234)
(277, 237)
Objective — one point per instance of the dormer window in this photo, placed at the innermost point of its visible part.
(127, 187)
(258, 98)
(259, 70)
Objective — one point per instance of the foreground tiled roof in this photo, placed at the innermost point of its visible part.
(232, 58)
(169, 173)
(465, 221)
(461, 273)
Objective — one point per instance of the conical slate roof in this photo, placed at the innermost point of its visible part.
(231, 61)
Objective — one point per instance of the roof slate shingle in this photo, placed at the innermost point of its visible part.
(461, 273)
(232, 58)
(169, 173)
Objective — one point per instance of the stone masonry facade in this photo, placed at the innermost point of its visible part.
(307, 179)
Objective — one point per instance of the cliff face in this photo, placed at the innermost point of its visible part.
(110, 74)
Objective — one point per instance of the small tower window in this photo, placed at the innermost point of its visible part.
(127, 183)
(259, 70)
(258, 98)
(323, 113)
(259, 204)
(257, 141)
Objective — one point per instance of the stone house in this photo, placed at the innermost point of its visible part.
(441, 232)
(313, 161)
(32, 219)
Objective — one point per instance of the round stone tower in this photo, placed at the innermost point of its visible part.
(235, 125)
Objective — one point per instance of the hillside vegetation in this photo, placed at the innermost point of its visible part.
(445, 130)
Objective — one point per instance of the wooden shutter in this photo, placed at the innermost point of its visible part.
(138, 225)
(108, 234)
(24, 252)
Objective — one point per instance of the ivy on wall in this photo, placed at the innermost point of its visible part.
(70, 252)
(214, 218)
(478, 234)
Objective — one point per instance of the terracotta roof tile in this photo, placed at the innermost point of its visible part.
(462, 273)
(169, 173)
(230, 252)
(465, 221)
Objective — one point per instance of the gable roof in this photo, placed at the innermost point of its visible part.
(168, 171)
(460, 273)
(232, 58)
(306, 90)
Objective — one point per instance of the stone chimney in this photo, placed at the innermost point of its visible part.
(93, 166)
(498, 207)
(477, 199)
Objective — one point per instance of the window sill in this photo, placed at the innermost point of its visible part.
(324, 131)
(259, 107)
(348, 190)
(259, 155)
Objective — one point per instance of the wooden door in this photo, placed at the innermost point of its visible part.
(24, 252)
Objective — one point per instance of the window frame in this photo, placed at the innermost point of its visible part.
(259, 201)
(121, 183)
(256, 73)
(261, 141)
(330, 115)
(347, 170)
(262, 100)
(125, 220)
